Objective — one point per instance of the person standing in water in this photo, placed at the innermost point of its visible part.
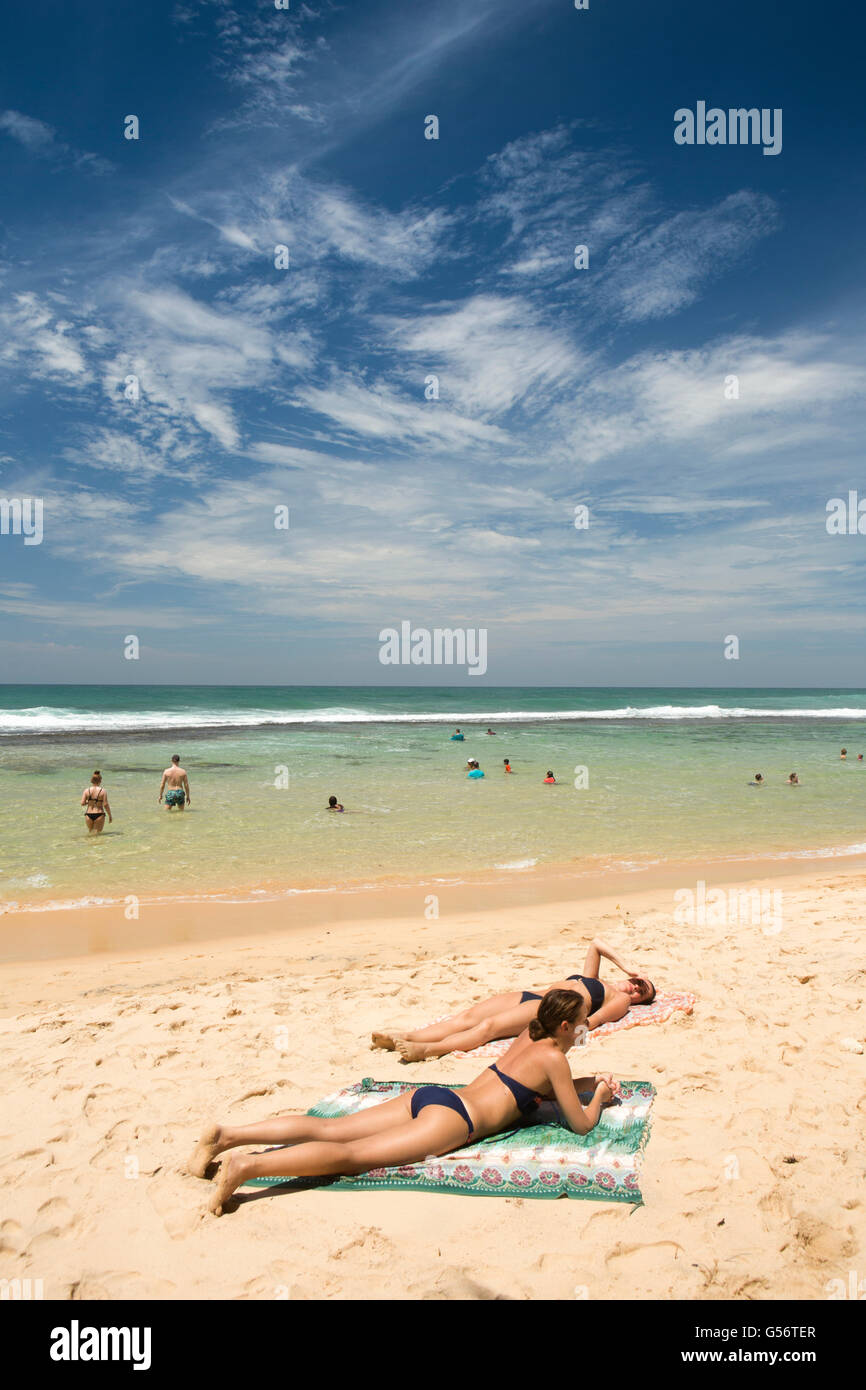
(507, 763)
(175, 784)
(94, 799)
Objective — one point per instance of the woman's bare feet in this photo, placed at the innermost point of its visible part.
(411, 1052)
(385, 1041)
(205, 1151)
(231, 1177)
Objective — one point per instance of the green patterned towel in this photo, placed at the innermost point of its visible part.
(533, 1161)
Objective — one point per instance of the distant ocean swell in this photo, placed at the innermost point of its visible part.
(47, 720)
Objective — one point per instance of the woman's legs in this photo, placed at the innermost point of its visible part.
(296, 1129)
(437, 1130)
(507, 1024)
(467, 1018)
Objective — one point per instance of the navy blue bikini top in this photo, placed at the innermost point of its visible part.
(527, 1100)
(595, 987)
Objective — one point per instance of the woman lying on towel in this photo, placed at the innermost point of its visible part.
(426, 1122)
(506, 1015)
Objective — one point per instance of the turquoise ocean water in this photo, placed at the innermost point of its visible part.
(667, 771)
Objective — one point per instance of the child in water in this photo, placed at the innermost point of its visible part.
(550, 777)
(334, 805)
(507, 764)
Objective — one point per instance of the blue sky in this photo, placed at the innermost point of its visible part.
(410, 257)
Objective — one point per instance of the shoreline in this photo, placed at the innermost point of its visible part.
(32, 932)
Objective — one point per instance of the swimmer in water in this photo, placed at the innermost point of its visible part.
(334, 805)
(793, 780)
(550, 779)
(94, 799)
(175, 785)
(759, 780)
(507, 1015)
(456, 737)
(492, 731)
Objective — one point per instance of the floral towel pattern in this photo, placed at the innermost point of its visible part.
(659, 1011)
(543, 1160)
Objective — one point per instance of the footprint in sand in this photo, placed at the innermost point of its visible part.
(463, 1285)
(658, 1255)
(825, 1241)
(177, 1201)
(24, 1165)
(121, 1284)
(250, 1095)
(54, 1219)
(11, 1237)
(371, 1242)
(104, 1102)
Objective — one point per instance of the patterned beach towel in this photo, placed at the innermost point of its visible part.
(659, 1011)
(534, 1161)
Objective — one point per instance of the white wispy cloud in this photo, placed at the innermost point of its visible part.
(34, 335)
(659, 270)
(375, 410)
(492, 351)
(33, 134)
(41, 139)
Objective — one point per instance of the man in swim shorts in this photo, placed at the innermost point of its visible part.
(175, 785)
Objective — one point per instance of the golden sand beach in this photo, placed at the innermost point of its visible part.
(113, 1060)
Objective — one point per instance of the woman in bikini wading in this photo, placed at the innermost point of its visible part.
(431, 1120)
(94, 799)
(506, 1015)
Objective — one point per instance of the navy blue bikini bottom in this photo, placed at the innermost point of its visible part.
(439, 1095)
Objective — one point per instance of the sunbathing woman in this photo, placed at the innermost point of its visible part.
(506, 1015)
(427, 1122)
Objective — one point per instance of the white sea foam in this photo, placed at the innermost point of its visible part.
(44, 719)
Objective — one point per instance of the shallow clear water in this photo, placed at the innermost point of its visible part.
(668, 774)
